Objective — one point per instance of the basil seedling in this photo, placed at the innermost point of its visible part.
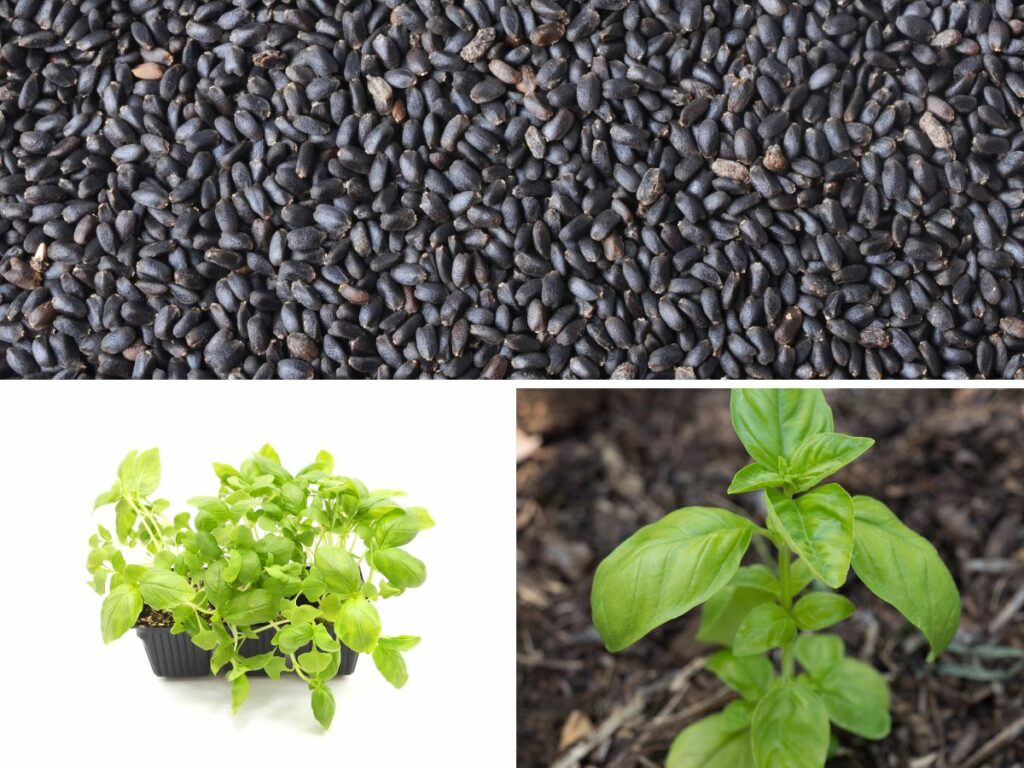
(306, 556)
(791, 681)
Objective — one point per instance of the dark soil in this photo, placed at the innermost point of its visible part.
(150, 617)
(596, 465)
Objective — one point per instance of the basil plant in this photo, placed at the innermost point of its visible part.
(308, 556)
(793, 680)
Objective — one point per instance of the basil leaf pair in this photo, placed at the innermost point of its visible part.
(854, 693)
(789, 434)
(788, 728)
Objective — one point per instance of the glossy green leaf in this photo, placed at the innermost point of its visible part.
(322, 700)
(757, 577)
(391, 665)
(400, 642)
(771, 423)
(818, 653)
(301, 614)
(753, 477)
(338, 569)
(822, 455)
(124, 519)
(275, 667)
(817, 526)
(725, 610)
(857, 698)
(800, 576)
(749, 676)
(314, 661)
(401, 569)
(713, 742)
(108, 497)
(292, 637)
(906, 571)
(164, 590)
(147, 470)
(205, 639)
(790, 729)
(120, 611)
(239, 691)
(253, 607)
(358, 624)
(767, 626)
(395, 529)
(819, 610)
(665, 569)
(423, 518)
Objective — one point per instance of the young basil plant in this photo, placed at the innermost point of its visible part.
(307, 556)
(791, 680)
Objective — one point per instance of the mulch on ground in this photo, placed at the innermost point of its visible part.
(595, 465)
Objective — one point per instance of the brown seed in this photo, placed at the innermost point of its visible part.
(935, 131)
(504, 72)
(547, 34)
(477, 47)
(148, 70)
(38, 260)
(774, 159)
(1013, 326)
(730, 169)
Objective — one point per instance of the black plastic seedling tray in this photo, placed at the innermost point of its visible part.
(177, 656)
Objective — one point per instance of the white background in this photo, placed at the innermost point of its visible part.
(71, 698)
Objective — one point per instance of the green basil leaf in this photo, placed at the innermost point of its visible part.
(757, 577)
(277, 547)
(124, 519)
(221, 655)
(819, 610)
(399, 642)
(292, 637)
(205, 639)
(767, 626)
(753, 477)
(358, 624)
(120, 611)
(108, 497)
(790, 728)
(253, 607)
(322, 700)
(749, 676)
(818, 526)
(771, 423)
(905, 570)
(239, 691)
(423, 518)
(713, 742)
(147, 471)
(800, 576)
(725, 610)
(395, 529)
(275, 667)
(301, 614)
(665, 569)
(391, 665)
(821, 455)
(164, 590)
(338, 569)
(401, 569)
(314, 661)
(323, 639)
(818, 653)
(857, 698)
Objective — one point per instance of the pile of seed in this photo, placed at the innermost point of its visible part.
(511, 188)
